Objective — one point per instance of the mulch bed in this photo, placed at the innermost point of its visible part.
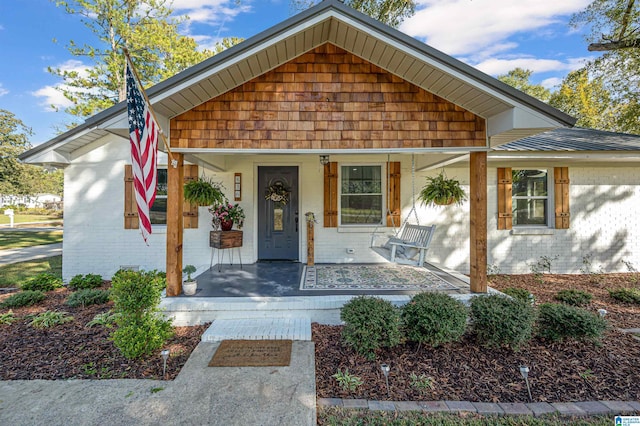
(559, 372)
(72, 350)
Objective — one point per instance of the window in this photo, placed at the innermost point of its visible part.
(361, 195)
(158, 211)
(530, 197)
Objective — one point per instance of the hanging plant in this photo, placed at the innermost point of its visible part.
(442, 191)
(278, 193)
(203, 192)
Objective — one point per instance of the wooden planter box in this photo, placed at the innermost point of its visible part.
(225, 239)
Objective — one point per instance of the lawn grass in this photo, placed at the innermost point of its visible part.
(22, 218)
(353, 417)
(12, 275)
(18, 239)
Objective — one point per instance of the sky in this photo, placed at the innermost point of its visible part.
(494, 36)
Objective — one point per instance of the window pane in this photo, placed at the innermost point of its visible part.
(361, 209)
(361, 180)
(158, 213)
(161, 187)
(529, 183)
(530, 212)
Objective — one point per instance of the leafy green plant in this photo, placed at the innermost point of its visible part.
(421, 383)
(23, 298)
(371, 323)
(520, 294)
(626, 294)
(141, 328)
(558, 322)
(189, 269)
(79, 282)
(50, 319)
(587, 375)
(7, 318)
(502, 321)
(203, 192)
(574, 297)
(88, 297)
(105, 319)
(440, 190)
(42, 282)
(348, 382)
(434, 318)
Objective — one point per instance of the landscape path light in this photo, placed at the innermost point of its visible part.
(165, 356)
(524, 372)
(385, 370)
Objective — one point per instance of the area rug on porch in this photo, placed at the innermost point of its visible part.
(372, 277)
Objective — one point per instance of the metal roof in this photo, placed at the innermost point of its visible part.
(511, 114)
(575, 140)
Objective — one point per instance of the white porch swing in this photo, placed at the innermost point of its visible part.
(410, 240)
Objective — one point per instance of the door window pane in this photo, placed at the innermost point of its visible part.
(158, 212)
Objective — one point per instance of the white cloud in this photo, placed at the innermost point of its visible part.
(551, 83)
(3, 91)
(209, 11)
(497, 66)
(464, 27)
(53, 98)
(73, 65)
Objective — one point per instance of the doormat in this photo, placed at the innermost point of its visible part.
(372, 277)
(252, 353)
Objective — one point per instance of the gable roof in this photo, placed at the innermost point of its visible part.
(510, 114)
(575, 140)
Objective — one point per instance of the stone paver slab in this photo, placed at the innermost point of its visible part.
(407, 406)
(382, 405)
(433, 406)
(458, 406)
(329, 402)
(593, 408)
(515, 408)
(568, 409)
(488, 408)
(618, 407)
(541, 408)
(355, 403)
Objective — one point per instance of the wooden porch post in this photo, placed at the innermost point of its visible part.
(478, 221)
(175, 178)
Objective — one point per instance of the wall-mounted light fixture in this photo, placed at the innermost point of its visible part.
(324, 160)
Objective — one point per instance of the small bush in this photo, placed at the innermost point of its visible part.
(371, 323)
(574, 297)
(136, 337)
(519, 293)
(557, 322)
(80, 281)
(42, 282)
(50, 319)
(501, 321)
(105, 319)
(347, 381)
(7, 318)
(23, 298)
(88, 297)
(434, 318)
(626, 295)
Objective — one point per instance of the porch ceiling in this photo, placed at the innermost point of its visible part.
(510, 114)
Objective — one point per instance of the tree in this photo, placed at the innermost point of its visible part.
(149, 31)
(390, 12)
(586, 99)
(17, 178)
(615, 24)
(520, 79)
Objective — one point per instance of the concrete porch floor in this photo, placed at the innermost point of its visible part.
(268, 291)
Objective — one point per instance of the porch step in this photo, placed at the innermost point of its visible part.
(258, 329)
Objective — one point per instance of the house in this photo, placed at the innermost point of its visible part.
(348, 116)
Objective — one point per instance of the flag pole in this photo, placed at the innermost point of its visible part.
(174, 162)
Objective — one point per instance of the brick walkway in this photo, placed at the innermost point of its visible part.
(587, 408)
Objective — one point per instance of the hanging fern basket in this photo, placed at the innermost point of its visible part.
(442, 191)
(202, 192)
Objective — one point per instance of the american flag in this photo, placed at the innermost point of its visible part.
(143, 134)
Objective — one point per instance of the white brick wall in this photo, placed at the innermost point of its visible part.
(604, 205)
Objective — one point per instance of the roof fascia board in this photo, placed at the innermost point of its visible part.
(54, 143)
(442, 162)
(331, 151)
(558, 155)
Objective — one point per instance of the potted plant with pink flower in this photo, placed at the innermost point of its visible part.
(224, 215)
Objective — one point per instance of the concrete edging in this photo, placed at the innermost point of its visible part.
(536, 409)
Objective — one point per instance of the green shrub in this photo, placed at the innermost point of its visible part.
(42, 282)
(105, 319)
(502, 321)
(574, 297)
(141, 328)
(519, 293)
(80, 281)
(347, 381)
(88, 297)
(434, 318)
(626, 295)
(557, 322)
(50, 319)
(371, 323)
(136, 337)
(23, 298)
(7, 318)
